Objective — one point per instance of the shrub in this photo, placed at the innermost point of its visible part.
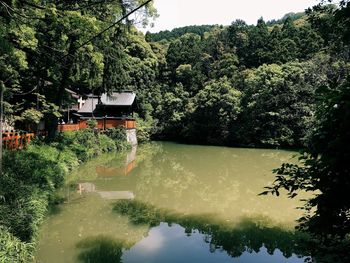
(91, 123)
(84, 143)
(23, 216)
(12, 249)
(35, 166)
(118, 135)
(145, 129)
(106, 143)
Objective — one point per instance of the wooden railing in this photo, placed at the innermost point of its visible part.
(103, 171)
(102, 124)
(16, 140)
(67, 127)
(130, 124)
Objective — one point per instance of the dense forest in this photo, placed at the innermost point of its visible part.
(243, 84)
(246, 85)
(282, 83)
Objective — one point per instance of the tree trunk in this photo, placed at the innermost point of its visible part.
(66, 68)
(2, 88)
(67, 65)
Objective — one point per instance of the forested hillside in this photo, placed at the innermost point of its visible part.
(178, 32)
(251, 85)
(246, 85)
(48, 46)
(279, 84)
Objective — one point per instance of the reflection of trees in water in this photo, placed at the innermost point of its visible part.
(87, 171)
(113, 162)
(100, 249)
(166, 179)
(214, 179)
(247, 236)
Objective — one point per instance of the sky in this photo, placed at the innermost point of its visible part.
(178, 13)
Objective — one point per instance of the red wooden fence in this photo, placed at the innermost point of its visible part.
(102, 124)
(67, 127)
(16, 140)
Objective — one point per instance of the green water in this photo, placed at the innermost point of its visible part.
(167, 202)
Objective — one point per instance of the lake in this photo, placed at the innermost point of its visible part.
(169, 202)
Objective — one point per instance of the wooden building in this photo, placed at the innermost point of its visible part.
(110, 111)
(117, 104)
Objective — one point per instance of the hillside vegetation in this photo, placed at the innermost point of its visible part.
(281, 83)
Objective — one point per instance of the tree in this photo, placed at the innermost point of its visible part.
(217, 106)
(277, 106)
(173, 111)
(238, 38)
(258, 38)
(324, 168)
(167, 35)
(48, 46)
(184, 50)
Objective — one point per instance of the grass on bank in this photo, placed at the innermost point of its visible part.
(31, 177)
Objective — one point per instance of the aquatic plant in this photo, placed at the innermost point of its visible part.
(100, 249)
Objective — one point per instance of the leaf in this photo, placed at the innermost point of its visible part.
(264, 193)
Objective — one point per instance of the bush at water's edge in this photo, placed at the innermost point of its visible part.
(30, 179)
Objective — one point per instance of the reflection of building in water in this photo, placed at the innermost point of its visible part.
(106, 187)
(116, 195)
(129, 165)
(112, 195)
(86, 188)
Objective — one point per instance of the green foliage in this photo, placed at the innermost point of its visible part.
(278, 106)
(91, 123)
(106, 143)
(41, 56)
(177, 32)
(144, 129)
(249, 85)
(32, 116)
(278, 72)
(86, 144)
(100, 249)
(29, 119)
(218, 105)
(36, 166)
(117, 133)
(171, 112)
(272, 113)
(23, 216)
(118, 136)
(292, 16)
(32, 176)
(12, 249)
(184, 50)
(324, 168)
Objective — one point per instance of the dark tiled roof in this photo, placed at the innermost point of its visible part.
(126, 98)
(89, 106)
(118, 99)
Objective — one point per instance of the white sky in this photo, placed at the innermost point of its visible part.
(178, 13)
